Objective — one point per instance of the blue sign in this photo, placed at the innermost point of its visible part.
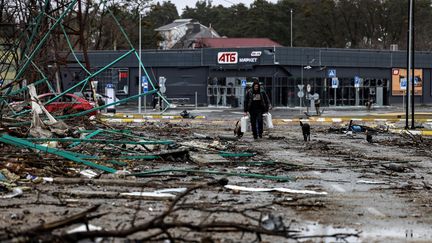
(110, 86)
(357, 81)
(331, 73)
(403, 83)
(243, 83)
(144, 84)
(335, 83)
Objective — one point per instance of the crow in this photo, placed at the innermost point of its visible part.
(306, 131)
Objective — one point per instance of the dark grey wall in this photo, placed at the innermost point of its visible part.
(187, 70)
(180, 82)
(270, 56)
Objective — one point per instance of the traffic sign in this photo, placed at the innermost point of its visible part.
(300, 94)
(357, 81)
(335, 83)
(162, 81)
(243, 83)
(331, 73)
(144, 84)
(300, 86)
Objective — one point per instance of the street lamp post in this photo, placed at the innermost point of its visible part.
(291, 29)
(139, 66)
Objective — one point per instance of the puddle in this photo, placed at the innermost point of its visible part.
(319, 229)
(407, 233)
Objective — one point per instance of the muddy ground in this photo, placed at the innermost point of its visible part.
(376, 192)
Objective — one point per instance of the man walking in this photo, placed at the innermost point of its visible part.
(256, 103)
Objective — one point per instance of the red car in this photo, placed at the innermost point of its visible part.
(68, 103)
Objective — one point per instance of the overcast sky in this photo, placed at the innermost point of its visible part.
(181, 4)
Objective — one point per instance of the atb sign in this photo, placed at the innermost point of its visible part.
(335, 83)
(227, 57)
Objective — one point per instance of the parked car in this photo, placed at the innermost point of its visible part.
(68, 103)
(88, 96)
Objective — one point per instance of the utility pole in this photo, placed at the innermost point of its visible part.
(139, 65)
(409, 78)
(291, 27)
(412, 62)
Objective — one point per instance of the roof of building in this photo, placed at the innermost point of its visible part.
(236, 42)
(191, 36)
(176, 23)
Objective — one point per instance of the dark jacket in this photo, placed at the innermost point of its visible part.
(265, 102)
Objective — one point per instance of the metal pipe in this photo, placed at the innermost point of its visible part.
(62, 153)
(102, 141)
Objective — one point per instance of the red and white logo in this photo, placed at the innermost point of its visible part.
(227, 57)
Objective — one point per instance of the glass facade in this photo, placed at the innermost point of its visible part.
(285, 91)
(225, 91)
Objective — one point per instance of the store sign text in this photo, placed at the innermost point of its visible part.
(256, 54)
(248, 59)
(227, 57)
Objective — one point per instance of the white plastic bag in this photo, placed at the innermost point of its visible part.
(268, 120)
(244, 123)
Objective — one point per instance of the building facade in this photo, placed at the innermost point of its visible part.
(291, 76)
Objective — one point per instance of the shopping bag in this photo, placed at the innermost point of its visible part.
(268, 120)
(244, 123)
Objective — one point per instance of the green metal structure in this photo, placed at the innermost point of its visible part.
(33, 40)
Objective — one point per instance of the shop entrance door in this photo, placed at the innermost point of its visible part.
(225, 91)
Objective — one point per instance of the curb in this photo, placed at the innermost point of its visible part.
(128, 117)
(402, 131)
(347, 119)
(146, 119)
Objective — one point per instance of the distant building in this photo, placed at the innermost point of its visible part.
(183, 33)
(235, 42)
